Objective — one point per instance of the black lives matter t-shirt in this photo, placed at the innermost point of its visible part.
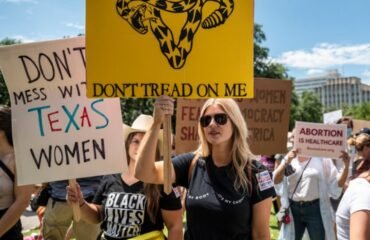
(124, 208)
(215, 210)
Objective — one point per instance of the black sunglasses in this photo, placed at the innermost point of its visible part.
(220, 119)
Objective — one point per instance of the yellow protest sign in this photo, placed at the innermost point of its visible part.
(180, 48)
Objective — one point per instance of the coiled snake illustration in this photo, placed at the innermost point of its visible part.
(141, 13)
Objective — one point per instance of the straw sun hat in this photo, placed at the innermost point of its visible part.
(141, 124)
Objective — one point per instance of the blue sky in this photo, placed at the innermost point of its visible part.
(308, 36)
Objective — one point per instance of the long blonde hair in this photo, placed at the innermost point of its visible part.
(241, 154)
(151, 191)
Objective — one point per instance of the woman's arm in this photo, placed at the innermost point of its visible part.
(279, 172)
(344, 174)
(14, 212)
(173, 222)
(360, 225)
(147, 170)
(260, 221)
(90, 213)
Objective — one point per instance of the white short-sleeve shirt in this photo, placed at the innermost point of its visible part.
(356, 198)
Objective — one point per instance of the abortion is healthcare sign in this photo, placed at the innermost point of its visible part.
(179, 48)
(320, 140)
(58, 132)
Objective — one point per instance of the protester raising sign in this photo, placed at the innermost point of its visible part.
(267, 116)
(59, 133)
(332, 117)
(320, 140)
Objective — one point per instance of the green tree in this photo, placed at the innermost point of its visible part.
(4, 95)
(361, 111)
(265, 68)
(294, 110)
(133, 107)
(262, 66)
(310, 108)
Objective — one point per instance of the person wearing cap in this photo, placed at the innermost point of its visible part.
(229, 194)
(353, 213)
(127, 207)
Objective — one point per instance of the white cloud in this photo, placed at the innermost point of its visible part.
(19, 1)
(366, 76)
(23, 39)
(325, 55)
(315, 71)
(366, 73)
(74, 25)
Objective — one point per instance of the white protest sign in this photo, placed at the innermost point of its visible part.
(320, 140)
(332, 117)
(58, 132)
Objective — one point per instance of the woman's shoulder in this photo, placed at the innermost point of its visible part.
(361, 180)
(184, 156)
(184, 159)
(9, 161)
(111, 178)
(257, 166)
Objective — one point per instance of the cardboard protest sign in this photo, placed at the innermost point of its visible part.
(359, 124)
(58, 133)
(320, 140)
(191, 49)
(267, 117)
(332, 117)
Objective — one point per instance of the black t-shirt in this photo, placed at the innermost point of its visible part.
(215, 210)
(124, 208)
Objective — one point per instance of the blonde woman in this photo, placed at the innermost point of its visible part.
(229, 194)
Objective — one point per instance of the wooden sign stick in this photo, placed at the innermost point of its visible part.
(167, 154)
(75, 207)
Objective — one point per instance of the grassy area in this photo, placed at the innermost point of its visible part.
(31, 232)
(274, 229)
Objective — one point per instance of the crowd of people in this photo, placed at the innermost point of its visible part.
(229, 191)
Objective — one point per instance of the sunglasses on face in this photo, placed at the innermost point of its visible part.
(220, 119)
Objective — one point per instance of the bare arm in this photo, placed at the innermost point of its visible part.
(90, 213)
(173, 221)
(14, 212)
(360, 225)
(343, 176)
(279, 172)
(260, 220)
(147, 170)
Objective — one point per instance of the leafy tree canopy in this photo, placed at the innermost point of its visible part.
(310, 108)
(4, 95)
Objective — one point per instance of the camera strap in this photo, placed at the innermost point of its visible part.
(6, 170)
(299, 180)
